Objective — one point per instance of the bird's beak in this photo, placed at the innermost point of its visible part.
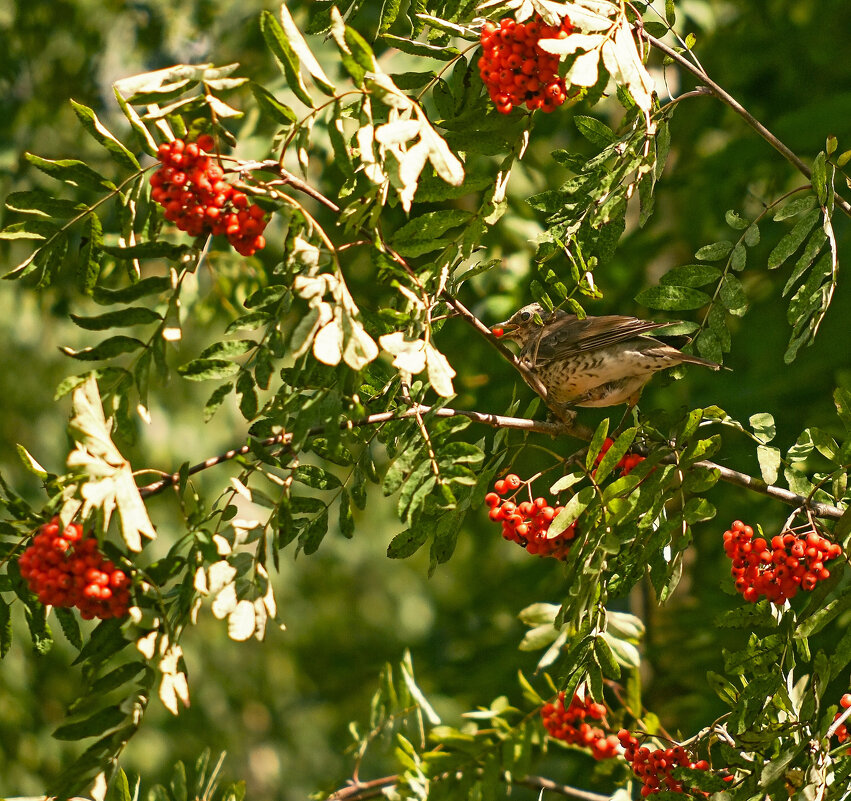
(505, 329)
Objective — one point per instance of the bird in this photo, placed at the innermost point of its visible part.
(594, 361)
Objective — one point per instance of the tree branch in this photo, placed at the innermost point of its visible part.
(818, 508)
(542, 783)
(493, 420)
(734, 104)
(359, 791)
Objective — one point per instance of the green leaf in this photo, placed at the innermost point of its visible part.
(216, 400)
(691, 275)
(714, 252)
(739, 257)
(606, 658)
(573, 508)
(793, 240)
(596, 132)
(596, 443)
(148, 250)
(97, 130)
(769, 463)
(38, 202)
(29, 229)
(106, 640)
(314, 532)
(116, 678)
(228, 348)
(303, 53)
(346, 520)
(102, 721)
(615, 453)
(135, 315)
(5, 628)
(672, 298)
(147, 286)
(429, 226)
(420, 48)
(248, 395)
(119, 788)
(69, 625)
(820, 177)
(36, 616)
(408, 542)
(763, 426)
(206, 369)
(735, 220)
(266, 297)
(355, 53)
(795, 207)
(732, 295)
(274, 108)
(316, 477)
(277, 42)
(88, 268)
(697, 510)
(71, 171)
(776, 767)
(108, 349)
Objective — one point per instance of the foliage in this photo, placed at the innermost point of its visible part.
(343, 353)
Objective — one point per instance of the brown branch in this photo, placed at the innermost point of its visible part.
(824, 510)
(758, 485)
(493, 420)
(358, 791)
(736, 106)
(542, 783)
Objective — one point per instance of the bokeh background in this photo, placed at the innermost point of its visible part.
(281, 708)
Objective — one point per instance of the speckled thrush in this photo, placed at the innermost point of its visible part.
(598, 361)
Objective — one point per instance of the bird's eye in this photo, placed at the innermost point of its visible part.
(525, 316)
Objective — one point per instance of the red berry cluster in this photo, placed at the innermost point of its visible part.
(778, 569)
(627, 463)
(571, 724)
(842, 734)
(516, 71)
(528, 522)
(190, 186)
(65, 568)
(654, 768)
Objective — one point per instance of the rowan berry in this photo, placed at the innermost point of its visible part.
(792, 562)
(69, 570)
(513, 66)
(527, 523)
(191, 188)
(569, 724)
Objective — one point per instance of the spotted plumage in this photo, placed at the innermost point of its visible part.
(598, 361)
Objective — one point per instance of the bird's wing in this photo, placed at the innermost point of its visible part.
(570, 336)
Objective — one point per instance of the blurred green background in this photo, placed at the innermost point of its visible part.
(281, 708)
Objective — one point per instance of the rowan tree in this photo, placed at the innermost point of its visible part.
(311, 267)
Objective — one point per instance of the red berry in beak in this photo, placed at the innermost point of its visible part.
(497, 332)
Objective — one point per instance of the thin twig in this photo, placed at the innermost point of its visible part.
(493, 420)
(824, 510)
(362, 790)
(542, 783)
(752, 121)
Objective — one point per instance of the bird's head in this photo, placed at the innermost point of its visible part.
(522, 325)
